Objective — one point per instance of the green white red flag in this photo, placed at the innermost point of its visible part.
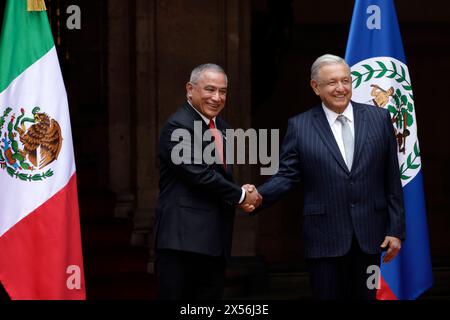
(40, 243)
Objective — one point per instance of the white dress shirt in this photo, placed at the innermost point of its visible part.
(336, 126)
(207, 123)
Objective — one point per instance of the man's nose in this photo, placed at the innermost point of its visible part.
(216, 96)
(340, 86)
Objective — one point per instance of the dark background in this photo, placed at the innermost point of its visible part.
(125, 72)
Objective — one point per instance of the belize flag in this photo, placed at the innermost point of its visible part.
(40, 243)
(381, 78)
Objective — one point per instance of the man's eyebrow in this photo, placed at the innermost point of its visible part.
(214, 87)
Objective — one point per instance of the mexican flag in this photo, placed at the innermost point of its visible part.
(40, 244)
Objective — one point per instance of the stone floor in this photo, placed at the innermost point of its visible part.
(294, 285)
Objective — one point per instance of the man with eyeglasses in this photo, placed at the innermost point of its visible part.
(345, 154)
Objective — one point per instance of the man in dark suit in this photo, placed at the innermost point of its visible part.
(345, 153)
(197, 199)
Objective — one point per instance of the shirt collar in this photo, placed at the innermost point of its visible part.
(203, 117)
(332, 116)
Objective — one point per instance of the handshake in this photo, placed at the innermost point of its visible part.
(252, 198)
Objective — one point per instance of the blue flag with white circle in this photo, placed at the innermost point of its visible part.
(381, 78)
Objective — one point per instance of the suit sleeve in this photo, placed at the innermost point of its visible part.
(195, 172)
(288, 174)
(394, 190)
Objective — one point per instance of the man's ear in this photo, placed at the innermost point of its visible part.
(315, 86)
(189, 88)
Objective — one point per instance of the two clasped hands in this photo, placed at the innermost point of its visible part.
(252, 198)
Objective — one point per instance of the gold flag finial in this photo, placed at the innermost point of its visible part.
(36, 5)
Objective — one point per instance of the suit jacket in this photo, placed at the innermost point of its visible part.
(366, 202)
(196, 204)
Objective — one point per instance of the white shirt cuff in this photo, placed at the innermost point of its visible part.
(242, 196)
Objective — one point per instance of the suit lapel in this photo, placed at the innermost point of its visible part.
(193, 117)
(322, 126)
(220, 126)
(360, 131)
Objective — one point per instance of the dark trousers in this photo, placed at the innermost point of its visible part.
(188, 275)
(345, 277)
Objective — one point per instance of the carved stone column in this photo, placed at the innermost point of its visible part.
(120, 103)
(236, 49)
(147, 128)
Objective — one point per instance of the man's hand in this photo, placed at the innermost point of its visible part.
(252, 198)
(394, 244)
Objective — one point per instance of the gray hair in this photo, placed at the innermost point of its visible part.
(198, 71)
(325, 60)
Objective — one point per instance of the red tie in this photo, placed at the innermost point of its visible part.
(218, 141)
